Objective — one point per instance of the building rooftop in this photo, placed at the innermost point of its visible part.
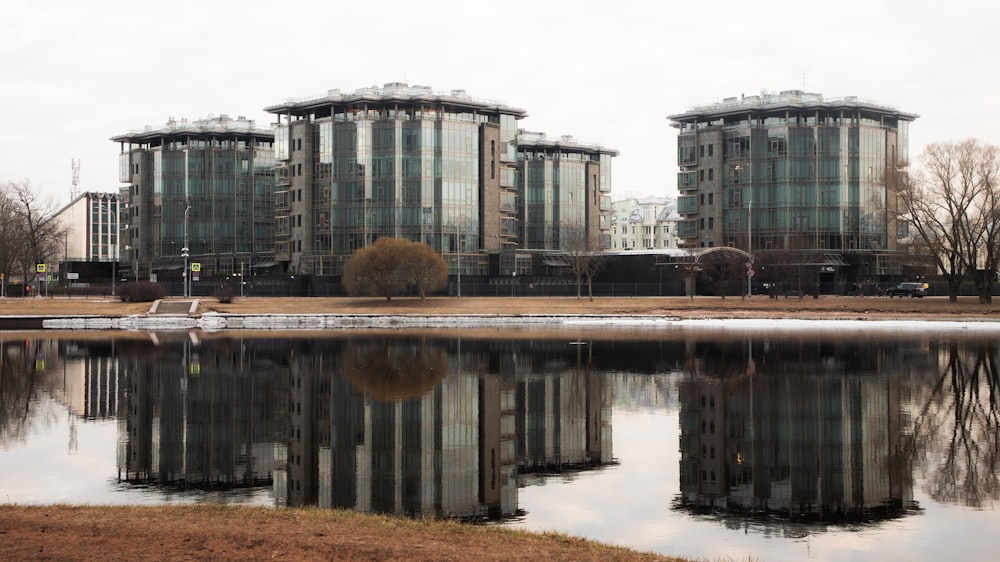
(98, 195)
(223, 124)
(394, 91)
(564, 142)
(787, 99)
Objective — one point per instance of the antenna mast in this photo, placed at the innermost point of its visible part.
(75, 190)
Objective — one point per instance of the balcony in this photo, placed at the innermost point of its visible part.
(687, 181)
(281, 174)
(282, 202)
(281, 251)
(687, 229)
(282, 226)
(687, 204)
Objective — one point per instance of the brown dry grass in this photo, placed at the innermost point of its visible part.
(238, 533)
(967, 308)
(57, 306)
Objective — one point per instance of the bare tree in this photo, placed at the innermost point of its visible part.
(424, 268)
(585, 259)
(723, 268)
(388, 265)
(10, 232)
(981, 229)
(375, 270)
(953, 206)
(38, 235)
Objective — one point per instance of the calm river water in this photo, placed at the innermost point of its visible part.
(779, 445)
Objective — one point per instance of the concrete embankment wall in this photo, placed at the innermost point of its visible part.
(217, 322)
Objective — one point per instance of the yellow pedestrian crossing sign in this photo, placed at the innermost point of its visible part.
(39, 268)
(195, 266)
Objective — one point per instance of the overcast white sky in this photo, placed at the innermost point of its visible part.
(77, 72)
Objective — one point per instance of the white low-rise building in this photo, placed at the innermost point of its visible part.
(648, 223)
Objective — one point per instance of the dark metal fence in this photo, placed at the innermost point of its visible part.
(300, 286)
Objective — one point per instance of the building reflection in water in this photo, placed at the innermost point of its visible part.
(803, 430)
(197, 416)
(800, 427)
(435, 427)
(416, 426)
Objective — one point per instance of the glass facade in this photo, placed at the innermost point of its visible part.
(565, 204)
(404, 179)
(207, 185)
(396, 162)
(793, 172)
(103, 227)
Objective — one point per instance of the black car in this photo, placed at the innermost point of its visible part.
(907, 290)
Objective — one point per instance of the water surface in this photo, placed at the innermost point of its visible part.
(781, 446)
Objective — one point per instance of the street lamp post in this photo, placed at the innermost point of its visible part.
(750, 271)
(69, 293)
(184, 253)
(458, 248)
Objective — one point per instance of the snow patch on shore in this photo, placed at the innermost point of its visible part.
(217, 322)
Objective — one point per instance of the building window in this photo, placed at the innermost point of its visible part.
(711, 148)
(711, 174)
(711, 198)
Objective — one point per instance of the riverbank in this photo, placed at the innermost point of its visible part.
(823, 308)
(225, 533)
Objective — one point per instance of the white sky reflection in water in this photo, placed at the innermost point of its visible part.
(45, 470)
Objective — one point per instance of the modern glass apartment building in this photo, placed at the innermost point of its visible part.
(399, 161)
(442, 168)
(793, 172)
(566, 193)
(205, 185)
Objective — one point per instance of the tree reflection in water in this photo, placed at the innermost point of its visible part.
(956, 427)
(776, 431)
(17, 390)
(395, 371)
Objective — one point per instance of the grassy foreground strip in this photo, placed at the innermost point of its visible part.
(221, 533)
(825, 307)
